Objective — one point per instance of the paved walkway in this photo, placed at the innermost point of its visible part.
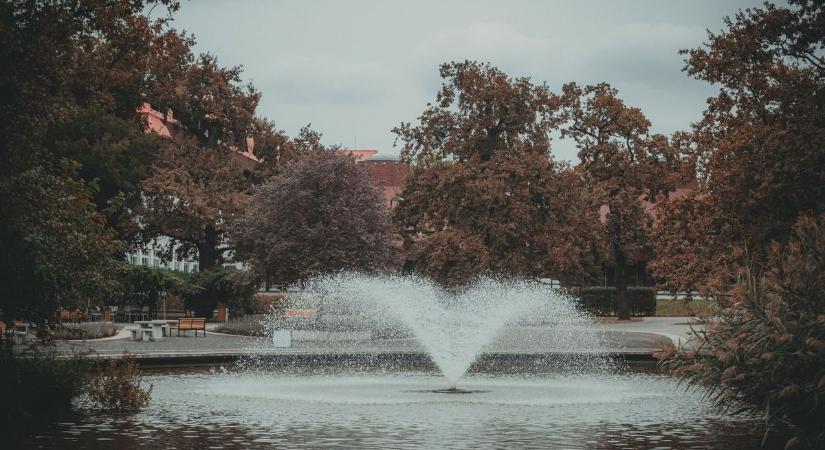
(678, 329)
(638, 337)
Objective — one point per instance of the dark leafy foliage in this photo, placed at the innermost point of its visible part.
(146, 286)
(73, 152)
(485, 195)
(758, 149)
(764, 350)
(56, 249)
(205, 290)
(319, 214)
(602, 301)
(36, 386)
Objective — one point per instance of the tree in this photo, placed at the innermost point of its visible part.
(56, 249)
(115, 155)
(319, 214)
(485, 194)
(75, 73)
(72, 150)
(146, 286)
(758, 149)
(204, 291)
(191, 198)
(199, 185)
(622, 164)
(763, 350)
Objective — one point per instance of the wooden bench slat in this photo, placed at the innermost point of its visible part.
(192, 323)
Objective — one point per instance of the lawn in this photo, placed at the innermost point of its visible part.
(246, 326)
(681, 308)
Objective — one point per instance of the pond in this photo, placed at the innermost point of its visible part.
(332, 407)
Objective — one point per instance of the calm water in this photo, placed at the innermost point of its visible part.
(398, 410)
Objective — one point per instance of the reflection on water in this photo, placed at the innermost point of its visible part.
(277, 410)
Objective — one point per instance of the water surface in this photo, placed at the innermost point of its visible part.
(397, 410)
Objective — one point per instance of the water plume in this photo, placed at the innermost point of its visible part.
(454, 327)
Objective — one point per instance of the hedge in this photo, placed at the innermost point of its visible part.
(601, 301)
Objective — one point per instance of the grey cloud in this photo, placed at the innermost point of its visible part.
(358, 68)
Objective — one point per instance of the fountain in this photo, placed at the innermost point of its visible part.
(495, 365)
(454, 328)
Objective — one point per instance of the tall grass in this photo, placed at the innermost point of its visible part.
(764, 353)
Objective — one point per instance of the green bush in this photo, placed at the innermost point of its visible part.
(601, 301)
(36, 386)
(205, 290)
(76, 331)
(145, 286)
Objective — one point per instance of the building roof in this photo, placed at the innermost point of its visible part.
(166, 125)
(361, 154)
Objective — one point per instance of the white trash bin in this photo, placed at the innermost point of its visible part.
(281, 338)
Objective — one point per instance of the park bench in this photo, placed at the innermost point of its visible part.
(191, 323)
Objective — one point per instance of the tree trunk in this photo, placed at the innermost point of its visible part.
(620, 281)
(208, 253)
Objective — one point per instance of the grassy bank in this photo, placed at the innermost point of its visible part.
(682, 308)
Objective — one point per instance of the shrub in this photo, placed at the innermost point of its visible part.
(601, 301)
(117, 386)
(72, 331)
(35, 385)
(764, 352)
(205, 290)
(145, 286)
(246, 326)
(670, 307)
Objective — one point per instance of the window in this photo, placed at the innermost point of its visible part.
(194, 267)
(177, 265)
(144, 261)
(155, 262)
(133, 259)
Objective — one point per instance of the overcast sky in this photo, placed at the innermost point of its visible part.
(355, 69)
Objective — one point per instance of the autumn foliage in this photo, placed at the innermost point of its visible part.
(753, 234)
(485, 196)
(73, 153)
(763, 351)
(622, 164)
(319, 214)
(116, 385)
(758, 149)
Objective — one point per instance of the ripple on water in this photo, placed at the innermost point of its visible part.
(377, 411)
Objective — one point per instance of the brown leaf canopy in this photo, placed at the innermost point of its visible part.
(621, 163)
(193, 192)
(485, 187)
(758, 149)
(479, 110)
